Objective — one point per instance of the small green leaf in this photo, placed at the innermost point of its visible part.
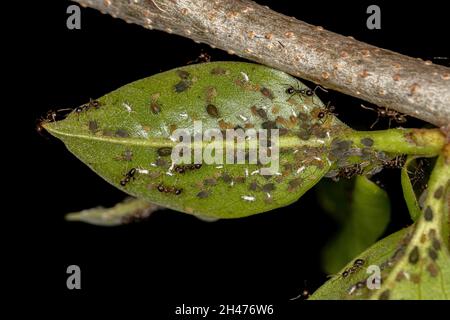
(339, 287)
(362, 209)
(125, 137)
(414, 263)
(408, 191)
(130, 210)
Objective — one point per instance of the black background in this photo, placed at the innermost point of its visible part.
(173, 258)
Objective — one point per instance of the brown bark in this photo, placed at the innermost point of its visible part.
(385, 78)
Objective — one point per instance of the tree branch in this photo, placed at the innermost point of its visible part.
(385, 78)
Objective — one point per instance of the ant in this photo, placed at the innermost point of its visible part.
(356, 266)
(387, 113)
(203, 57)
(50, 116)
(305, 92)
(165, 189)
(128, 176)
(328, 110)
(91, 104)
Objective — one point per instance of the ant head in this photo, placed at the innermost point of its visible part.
(400, 118)
(290, 90)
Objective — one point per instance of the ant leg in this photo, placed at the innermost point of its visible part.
(376, 121)
(368, 108)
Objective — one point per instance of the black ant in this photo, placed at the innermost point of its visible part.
(165, 189)
(50, 116)
(203, 57)
(305, 92)
(328, 110)
(387, 113)
(91, 104)
(128, 176)
(356, 266)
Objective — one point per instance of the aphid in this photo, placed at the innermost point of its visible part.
(268, 187)
(203, 194)
(155, 107)
(432, 254)
(121, 133)
(248, 198)
(368, 142)
(93, 126)
(260, 112)
(253, 186)
(414, 255)
(386, 113)
(212, 110)
(127, 155)
(183, 74)
(183, 85)
(210, 182)
(267, 93)
(294, 184)
(226, 178)
(164, 151)
(356, 286)
(428, 215)
(128, 176)
(219, 71)
(439, 192)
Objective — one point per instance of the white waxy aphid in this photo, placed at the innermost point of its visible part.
(300, 170)
(352, 289)
(406, 275)
(328, 134)
(248, 198)
(184, 115)
(127, 107)
(317, 158)
(295, 151)
(254, 172)
(268, 195)
(246, 172)
(320, 141)
(142, 171)
(219, 167)
(244, 118)
(153, 164)
(246, 79)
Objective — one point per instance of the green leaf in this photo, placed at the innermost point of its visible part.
(362, 209)
(414, 263)
(128, 131)
(408, 190)
(130, 210)
(339, 287)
